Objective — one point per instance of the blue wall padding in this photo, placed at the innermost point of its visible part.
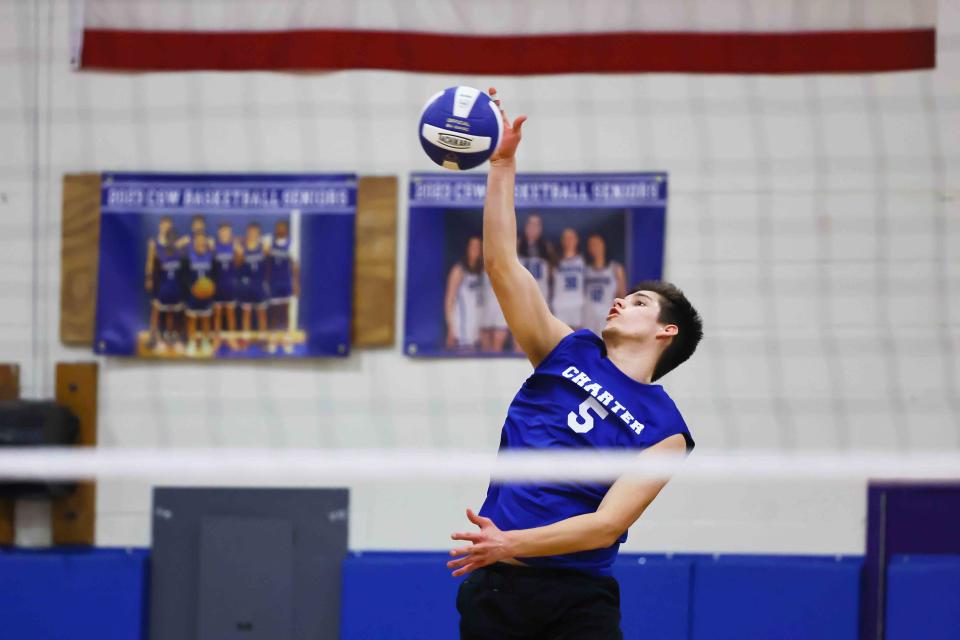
(101, 595)
(398, 596)
(923, 597)
(416, 597)
(96, 594)
(654, 596)
(746, 598)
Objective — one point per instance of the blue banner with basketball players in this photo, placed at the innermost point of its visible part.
(225, 266)
(585, 238)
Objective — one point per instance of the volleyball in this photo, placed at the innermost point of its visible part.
(203, 288)
(460, 128)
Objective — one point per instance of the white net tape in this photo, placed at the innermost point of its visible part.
(353, 466)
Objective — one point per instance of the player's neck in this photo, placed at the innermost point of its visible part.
(635, 359)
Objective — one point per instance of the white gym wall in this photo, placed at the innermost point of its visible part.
(813, 220)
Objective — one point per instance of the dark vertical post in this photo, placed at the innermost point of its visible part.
(73, 516)
(9, 390)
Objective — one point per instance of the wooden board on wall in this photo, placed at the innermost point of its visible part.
(9, 390)
(375, 265)
(375, 277)
(80, 243)
(73, 517)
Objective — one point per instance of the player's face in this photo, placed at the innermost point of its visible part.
(253, 235)
(533, 229)
(224, 234)
(569, 241)
(635, 316)
(281, 230)
(164, 227)
(474, 249)
(198, 227)
(597, 247)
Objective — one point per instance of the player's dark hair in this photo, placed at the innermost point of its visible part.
(254, 225)
(224, 224)
(197, 218)
(675, 309)
(542, 248)
(478, 267)
(169, 233)
(606, 249)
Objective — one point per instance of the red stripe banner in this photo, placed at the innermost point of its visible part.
(680, 52)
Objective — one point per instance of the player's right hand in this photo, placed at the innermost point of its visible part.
(511, 133)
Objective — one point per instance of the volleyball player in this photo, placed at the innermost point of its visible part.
(536, 254)
(463, 300)
(199, 266)
(225, 296)
(540, 566)
(252, 283)
(282, 281)
(163, 283)
(568, 281)
(604, 280)
(493, 326)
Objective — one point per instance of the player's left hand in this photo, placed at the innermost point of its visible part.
(490, 545)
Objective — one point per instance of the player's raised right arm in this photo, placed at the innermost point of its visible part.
(527, 314)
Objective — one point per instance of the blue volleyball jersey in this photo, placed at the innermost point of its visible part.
(577, 398)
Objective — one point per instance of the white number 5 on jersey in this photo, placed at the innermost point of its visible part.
(583, 422)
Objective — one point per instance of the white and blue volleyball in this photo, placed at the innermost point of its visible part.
(460, 128)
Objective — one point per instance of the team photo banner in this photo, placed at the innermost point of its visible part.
(225, 266)
(585, 238)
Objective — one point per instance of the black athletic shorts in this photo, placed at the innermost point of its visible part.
(506, 602)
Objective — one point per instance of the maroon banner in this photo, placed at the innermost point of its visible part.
(631, 52)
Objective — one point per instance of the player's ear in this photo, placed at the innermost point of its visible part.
(669, 330)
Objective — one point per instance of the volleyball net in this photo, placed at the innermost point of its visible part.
(381, 465)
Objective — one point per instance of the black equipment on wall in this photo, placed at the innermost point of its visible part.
(36, 423)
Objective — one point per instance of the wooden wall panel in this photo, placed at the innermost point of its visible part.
(74, 517)
(375, 271)
(9, 390)
(79, 250)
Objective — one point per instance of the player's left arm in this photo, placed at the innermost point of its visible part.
(183, 274)
(624, 503)
(237, 253)
(151, 256)
(214, 270)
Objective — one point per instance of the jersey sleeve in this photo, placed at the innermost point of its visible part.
(670, 423)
